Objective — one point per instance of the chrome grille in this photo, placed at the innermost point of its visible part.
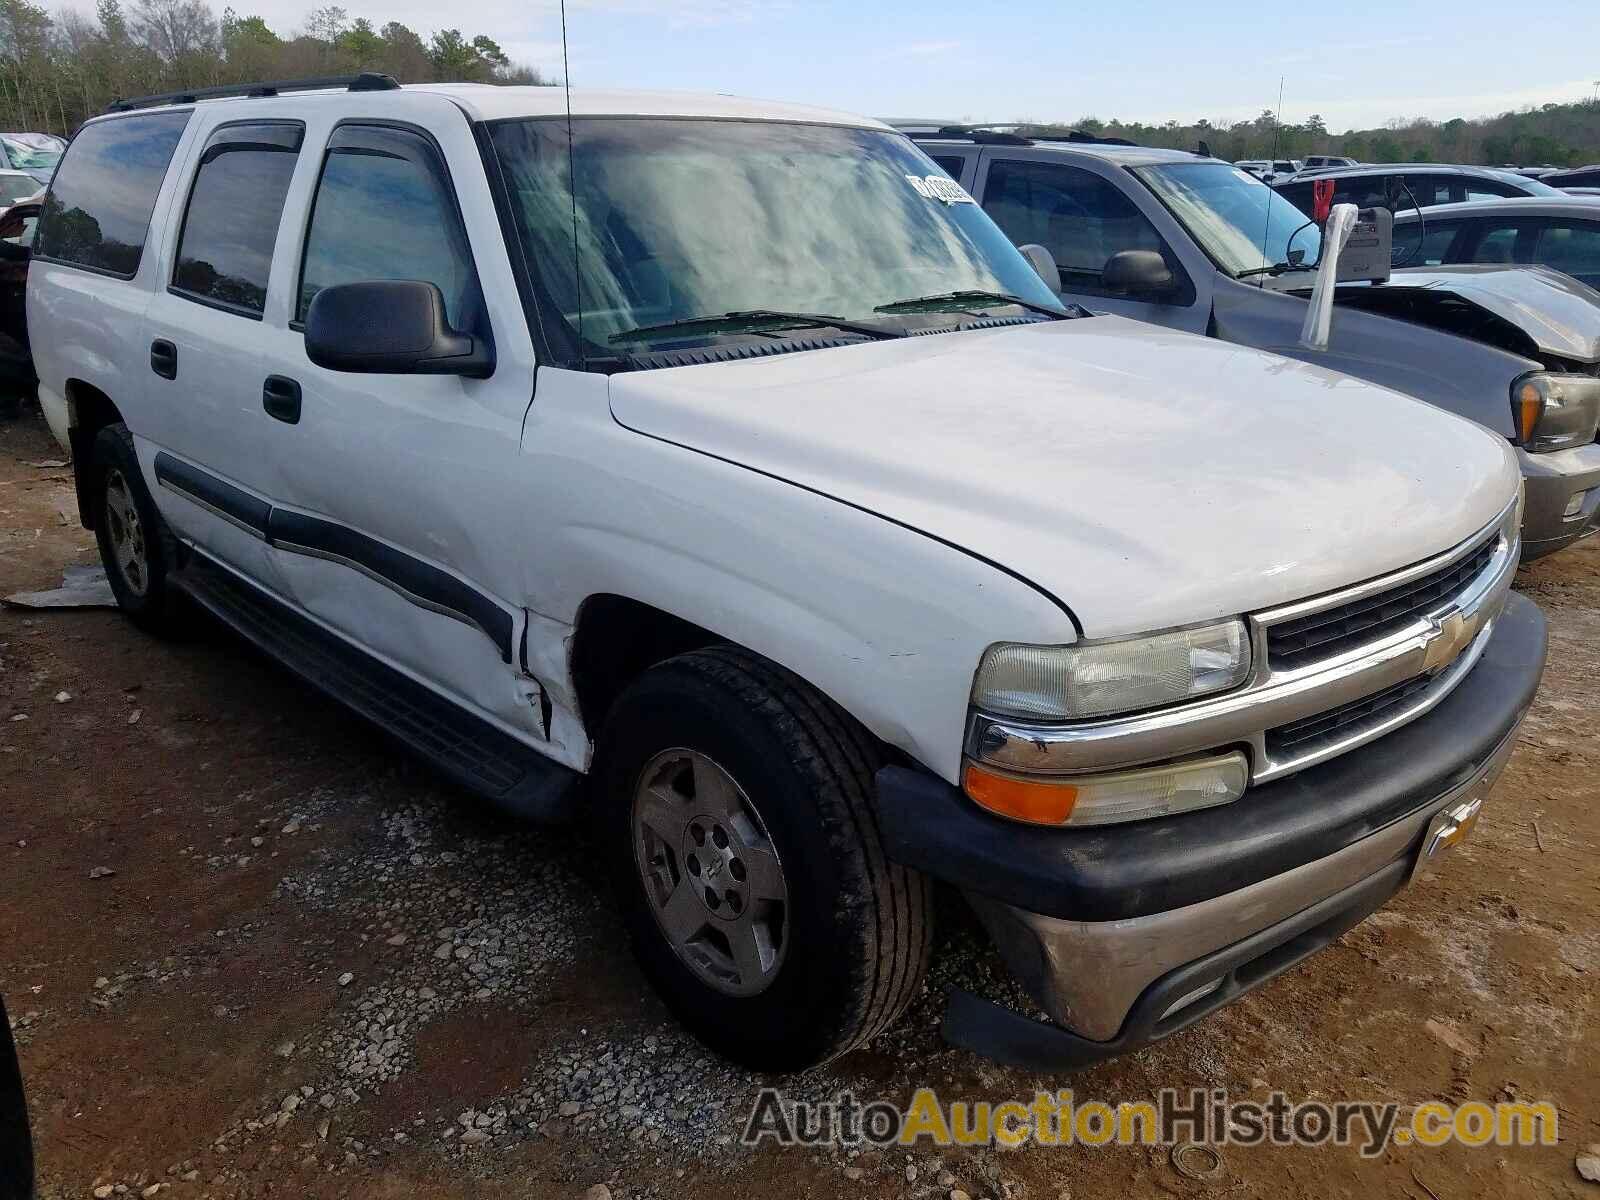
(1322, 635)
(1384, 652)
(1300, 738)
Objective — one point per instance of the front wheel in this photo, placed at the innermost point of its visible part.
(735, 806)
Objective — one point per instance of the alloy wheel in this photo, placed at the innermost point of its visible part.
(710, 872)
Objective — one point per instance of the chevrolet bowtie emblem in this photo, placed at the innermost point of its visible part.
(1452, 633)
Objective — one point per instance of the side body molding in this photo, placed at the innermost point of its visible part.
(418, 581)
(217, 496)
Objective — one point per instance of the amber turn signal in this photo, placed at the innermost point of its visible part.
(1530, 407)
(1132, 794)
(1037, 801)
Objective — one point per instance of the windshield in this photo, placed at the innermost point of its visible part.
(1238, 220)
(24, 156)
(684, 219)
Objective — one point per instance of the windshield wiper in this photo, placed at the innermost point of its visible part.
(1282, 268)
(949, 298)
(755, 320)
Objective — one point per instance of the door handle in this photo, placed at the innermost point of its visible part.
(280, 396)
(164, 358)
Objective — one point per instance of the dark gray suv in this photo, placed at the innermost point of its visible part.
(1402, 186)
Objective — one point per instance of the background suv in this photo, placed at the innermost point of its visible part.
(1400, 186)
(1561, 234)
(1194, 243)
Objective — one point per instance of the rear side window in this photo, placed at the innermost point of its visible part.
(1488, 189)
(97, 213)
(1506, 244)
(1423, 190)
(1573, 248)
(225, 250)
(384, 209)
(1416, 245)
(1297, 194)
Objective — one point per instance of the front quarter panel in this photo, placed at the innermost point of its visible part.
(886, 621)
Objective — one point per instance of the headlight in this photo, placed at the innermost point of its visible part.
(1094, 679)
(1553, 412)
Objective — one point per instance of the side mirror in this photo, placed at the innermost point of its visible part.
(1140, 273)
(391, 327)
(14, 252)
(1042, 261)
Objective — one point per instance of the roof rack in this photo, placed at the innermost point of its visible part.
(979, 134)
(1078, 138)
(367, 81)
(985, 135)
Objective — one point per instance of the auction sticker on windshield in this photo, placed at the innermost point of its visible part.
(940, 187)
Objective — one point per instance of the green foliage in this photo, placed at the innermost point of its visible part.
(245, 31)
(1554, 134)
(55, 71)
(361, 42)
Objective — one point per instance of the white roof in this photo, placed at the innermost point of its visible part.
(489, 102)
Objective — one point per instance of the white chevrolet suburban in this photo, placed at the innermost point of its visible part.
(726, 454)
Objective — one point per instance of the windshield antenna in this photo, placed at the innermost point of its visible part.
(1272, 158)
(572, 185)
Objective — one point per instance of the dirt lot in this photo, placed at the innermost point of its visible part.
(315, 971)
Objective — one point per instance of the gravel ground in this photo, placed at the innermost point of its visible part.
(251, 949)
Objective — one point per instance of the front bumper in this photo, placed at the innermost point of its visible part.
(1551, 481)
(1116, 930)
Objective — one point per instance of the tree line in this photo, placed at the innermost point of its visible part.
(1557, 135)
(58, 69)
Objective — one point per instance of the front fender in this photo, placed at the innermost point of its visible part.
(1469, 378)
(886, 621)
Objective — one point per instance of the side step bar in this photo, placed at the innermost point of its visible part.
(468, 750)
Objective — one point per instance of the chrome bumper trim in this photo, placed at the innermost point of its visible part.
(1446, 641)
(1089, 974)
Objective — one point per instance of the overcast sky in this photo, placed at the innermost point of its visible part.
(1043, 59)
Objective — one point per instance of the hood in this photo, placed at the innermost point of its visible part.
(1556, 313)
(1143, 477)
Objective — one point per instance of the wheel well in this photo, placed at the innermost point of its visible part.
(89, 410)
(618, 639)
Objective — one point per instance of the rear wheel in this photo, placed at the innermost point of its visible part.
(137, 548)
(735, 806)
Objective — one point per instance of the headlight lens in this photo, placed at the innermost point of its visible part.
(1094, 679)
(1553, 412)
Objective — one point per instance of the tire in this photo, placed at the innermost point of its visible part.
(851, 939)
(117, 491)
